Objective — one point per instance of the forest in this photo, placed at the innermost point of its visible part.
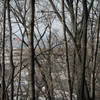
(49, 49)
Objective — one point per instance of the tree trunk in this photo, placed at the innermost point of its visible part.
(81, 94)
(32, 51)
(11, 52)
(66, 50)
(3, 53)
